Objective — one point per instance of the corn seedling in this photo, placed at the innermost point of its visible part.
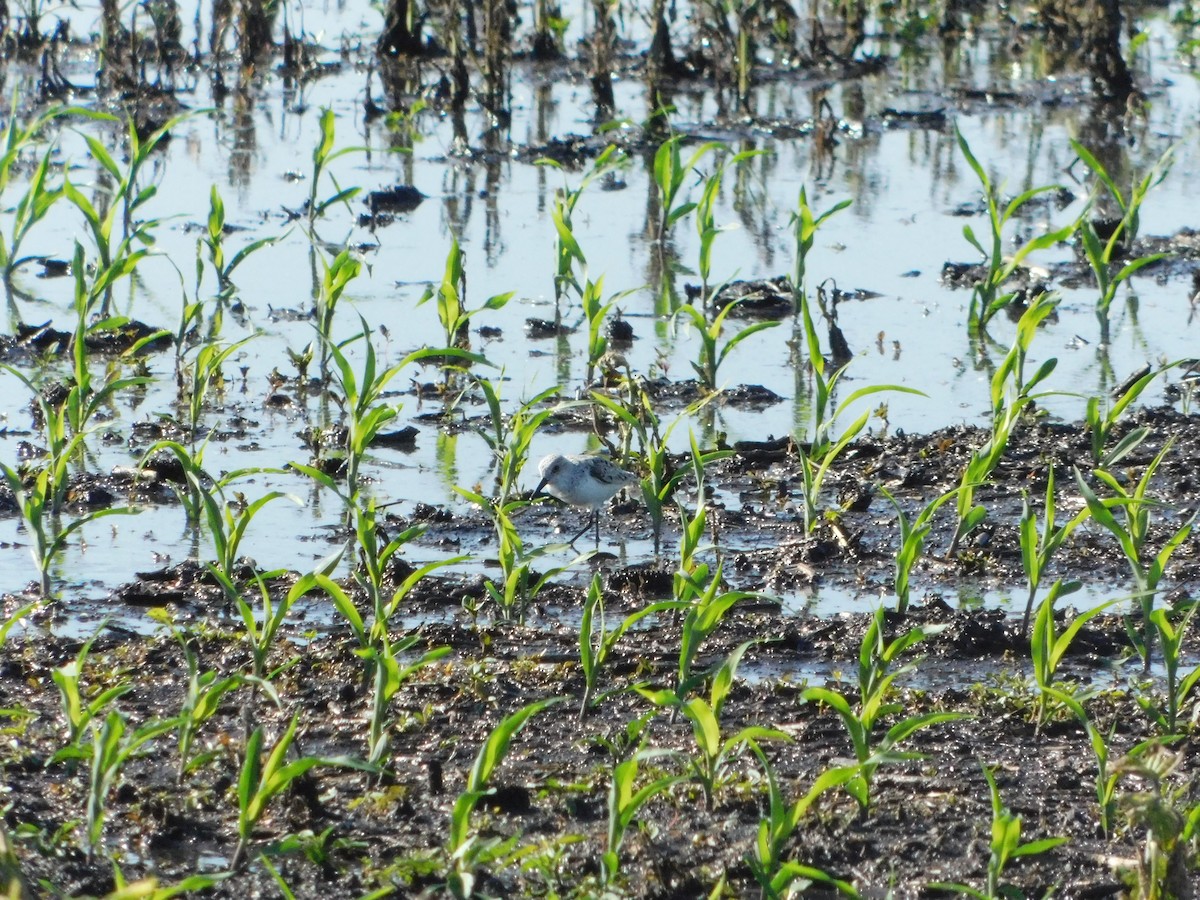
(715, 754)
(112, 748)
(203, 694)
(804, 230)
(624, 805)
(912, 543)
(1165, 714)
(986, 296)
(38, 198)
(1047, 645)
(262, 779)
(509, 437)
(706, 225)
(596, 642)
(1005, 846)
(227, 525)
(776, 875)
(384, 658)
(822, 449)
(35, 502)
(636, 416)
(519, 584)
(1039, 546)
(699, 592)
(1107, 777)
(78, 712)
(466, 848)
(1132, 537)
(1100, 423)
(568, 254)
(670, 172)
(323, 155)
(336, 276)
(198, 378)
(1102, 252)
(875, 677)
(451, 297)
(213, 240)
(595, 310)
(711, 356)
(1008, 405)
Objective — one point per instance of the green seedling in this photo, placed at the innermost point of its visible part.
(1165, 715)
(1170, 816)
(1010, 395)
(451, 296)
(384, 658)
(1132, 536)
(986, 296)
(715, 754)
(509, 437)
(1047, 646)
(1102, 252)
(912, 543)
(636, 416)
(467, 848)
(112, 748)
(823, 449)
(568, 254)
(78, 712)
(875, 677)
(323, 155)
(670, 172)
(710, 356)
(197, 379)
(1005, 846)
(624, 804)
(804, 231)
(596, 310)
(262, 780)
(706, 225)
(776, 875)
(213, 241)
(227, 526)
(35, 502)
(336, 276)
(1100, 422)
(1039, 546)
(596, 642)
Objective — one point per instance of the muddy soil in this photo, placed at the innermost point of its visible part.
(340, 832)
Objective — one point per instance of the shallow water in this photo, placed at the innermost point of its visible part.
(907, 186)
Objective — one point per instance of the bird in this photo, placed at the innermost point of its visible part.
(582, 481)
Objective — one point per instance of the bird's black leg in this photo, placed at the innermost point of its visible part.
(594, 517)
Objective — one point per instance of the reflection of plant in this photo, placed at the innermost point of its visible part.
(875, 677)
(986, 299)
(1005, 846)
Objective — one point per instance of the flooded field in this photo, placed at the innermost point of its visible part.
(886, 311)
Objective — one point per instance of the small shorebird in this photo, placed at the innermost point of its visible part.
(582, 481)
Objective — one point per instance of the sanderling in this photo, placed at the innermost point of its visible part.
(582, 481)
